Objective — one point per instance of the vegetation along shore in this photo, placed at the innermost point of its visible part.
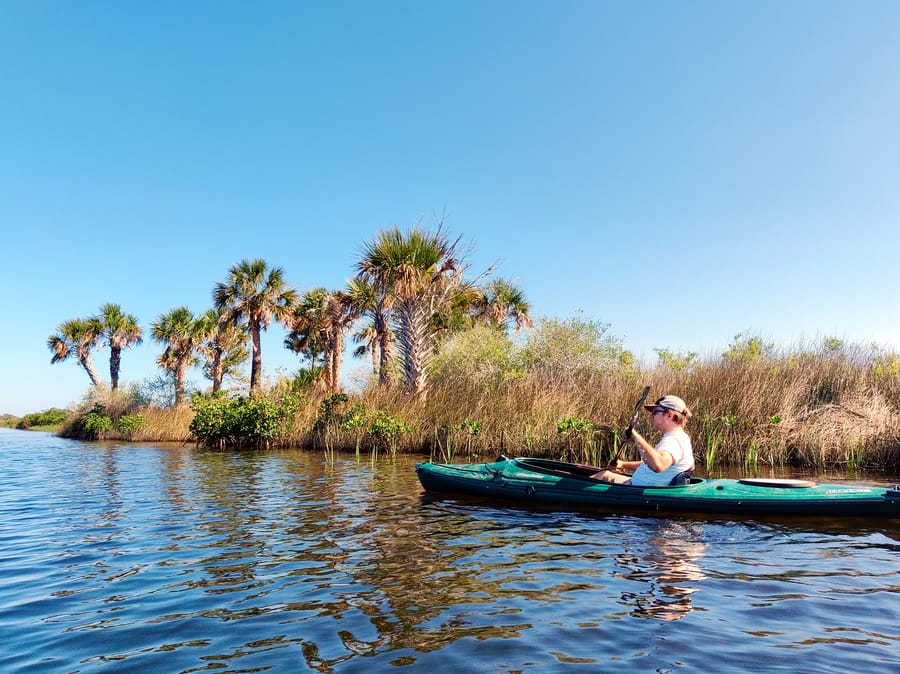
(459, 370)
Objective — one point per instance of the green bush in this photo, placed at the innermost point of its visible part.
(677, 361)
(747, 348)
(470, 426)
(251, 422)
(387, 429)
(51, 417)
(331, 411)
(482, 355)
(579, 433)
(92, 425)
(130, 423)
(575, 348)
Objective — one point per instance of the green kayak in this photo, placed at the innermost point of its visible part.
(549, 482)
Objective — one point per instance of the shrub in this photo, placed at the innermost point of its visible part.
(481, 355)
(330, 411)
(574, 348)
(581, 431)
(130, 423)
(254, 421)
(386, 429)
(51, 417)
(746, 348)
(677, 361)
(93, 424)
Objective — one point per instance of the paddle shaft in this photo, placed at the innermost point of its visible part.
(634, 417)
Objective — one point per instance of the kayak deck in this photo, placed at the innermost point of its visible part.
(545, 481)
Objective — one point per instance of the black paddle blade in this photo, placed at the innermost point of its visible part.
(627, 433)
(637, 408)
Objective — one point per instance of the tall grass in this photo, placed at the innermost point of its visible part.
(806, 407)
(799, 407)
(130, 420)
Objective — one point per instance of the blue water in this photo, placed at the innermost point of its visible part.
(163, 558)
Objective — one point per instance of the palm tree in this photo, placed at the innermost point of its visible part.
(78, 336)
(254, 295)
(501, 301)
(368, 338)
(306, 341)
(120, 331)
(372, 301)
(178, 330)
(320, 319)
(418, 274)
(223, 346)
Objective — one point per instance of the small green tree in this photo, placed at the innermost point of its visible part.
(93, 424)
(677, 361)
(574, 347)
(746, 348)
(482, 355)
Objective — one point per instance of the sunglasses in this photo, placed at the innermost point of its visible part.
(658, 410)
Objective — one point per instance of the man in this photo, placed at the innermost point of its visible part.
(671, 456)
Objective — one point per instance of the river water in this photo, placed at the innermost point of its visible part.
(162, 558)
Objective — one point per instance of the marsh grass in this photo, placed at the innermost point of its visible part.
(130, 421)
(801, 407)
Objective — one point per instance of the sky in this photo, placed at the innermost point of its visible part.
(681, 171)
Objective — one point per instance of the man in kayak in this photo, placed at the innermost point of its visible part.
(672, 456)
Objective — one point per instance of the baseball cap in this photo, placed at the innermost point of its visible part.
(673, 403)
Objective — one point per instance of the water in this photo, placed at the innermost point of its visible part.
(124, 558)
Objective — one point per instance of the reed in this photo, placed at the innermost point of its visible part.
(800, 406)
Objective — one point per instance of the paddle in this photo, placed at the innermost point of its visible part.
(627, 433)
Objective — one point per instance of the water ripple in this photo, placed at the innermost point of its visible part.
(165, 558)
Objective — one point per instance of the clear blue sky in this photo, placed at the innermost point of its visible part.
(683, 171)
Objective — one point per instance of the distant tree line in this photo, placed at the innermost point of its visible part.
(51, 417)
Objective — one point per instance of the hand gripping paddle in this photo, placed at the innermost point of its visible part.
(627, 432)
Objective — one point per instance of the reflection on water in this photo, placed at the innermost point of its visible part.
(166, 558)
(666, 564)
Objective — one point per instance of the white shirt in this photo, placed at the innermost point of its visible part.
(676, 443)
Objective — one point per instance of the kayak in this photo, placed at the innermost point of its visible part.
(550, 482)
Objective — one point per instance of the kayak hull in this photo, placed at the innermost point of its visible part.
(548, 482)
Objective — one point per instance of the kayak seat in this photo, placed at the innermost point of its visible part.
(684, 477)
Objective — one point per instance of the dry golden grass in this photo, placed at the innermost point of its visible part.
(163, 425)
(802, 408)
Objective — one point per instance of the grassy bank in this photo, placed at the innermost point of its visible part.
(825, 407)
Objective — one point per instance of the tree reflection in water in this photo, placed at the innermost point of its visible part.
(665, 564)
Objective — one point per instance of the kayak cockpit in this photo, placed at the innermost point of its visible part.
(584, 471)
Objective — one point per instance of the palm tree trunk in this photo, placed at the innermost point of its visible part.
(256, 362)
(179, 384)
(88, 366)
(415, 334)
(115, 361)
(385, 350)
(336, 360)
(217, 371)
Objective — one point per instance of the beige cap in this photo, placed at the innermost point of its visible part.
(673, 403)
